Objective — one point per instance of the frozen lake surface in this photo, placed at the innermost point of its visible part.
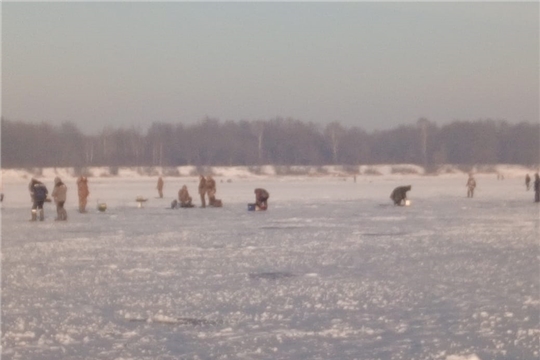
(331, 271)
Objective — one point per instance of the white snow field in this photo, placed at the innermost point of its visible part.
(331, 271)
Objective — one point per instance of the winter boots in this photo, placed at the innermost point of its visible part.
(61, 214)
(35, 214)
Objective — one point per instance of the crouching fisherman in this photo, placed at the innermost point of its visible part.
(38, 194)
(184, 198)
(59, 195)
(399, 195)
(261, 199)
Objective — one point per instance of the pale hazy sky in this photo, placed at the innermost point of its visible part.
(370, 64)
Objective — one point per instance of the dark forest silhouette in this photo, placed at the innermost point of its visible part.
(277, 142)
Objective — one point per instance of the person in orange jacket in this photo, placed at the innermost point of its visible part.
(82, 189)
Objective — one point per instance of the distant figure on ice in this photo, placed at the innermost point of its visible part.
(202, 190)
(536, 188)
(38, 194)
(211, 192)
(471, 184)
(261, 199)
(399, 195)
(527, 182)
(184, 198)
(82, 189)
(160, 187)
(59, 194)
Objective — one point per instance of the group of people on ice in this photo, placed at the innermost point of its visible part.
(207, 189)
(399, 194)
(39, 195)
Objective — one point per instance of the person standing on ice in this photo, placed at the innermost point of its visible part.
(184, 198)
(211, 190)
(261, 199)
(202, 190)
(399, 194)
(527, 182)
(82, 190)
(38, 194)
(59, 194)
(536, 187)
(471, 184)
(160, 186)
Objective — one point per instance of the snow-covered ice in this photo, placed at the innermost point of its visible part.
(331, 271)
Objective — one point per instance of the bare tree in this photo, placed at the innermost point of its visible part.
(334, 132)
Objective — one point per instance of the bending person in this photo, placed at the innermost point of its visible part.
(399, 195)
(261, 199)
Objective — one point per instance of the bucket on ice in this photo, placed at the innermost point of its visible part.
(251, 207)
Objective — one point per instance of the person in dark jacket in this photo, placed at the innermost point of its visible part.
(527, 182)
(261, 199)
(38, 194)
(59, 194)
(536, 187)
(399, 195)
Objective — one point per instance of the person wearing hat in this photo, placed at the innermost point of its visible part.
(38, 194)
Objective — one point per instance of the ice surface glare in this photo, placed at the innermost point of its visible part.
(331, 271)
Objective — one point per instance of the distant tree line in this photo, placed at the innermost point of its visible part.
(278, 142)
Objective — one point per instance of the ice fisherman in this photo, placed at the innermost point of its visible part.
(82, 190)
(160, 186)
(59, 195)
(38, 194)
(527, 182)
(211, 190)
(261, 199)
(202, 189)
(536, 187)
(399, 194)
(471, 184)
(184, 198)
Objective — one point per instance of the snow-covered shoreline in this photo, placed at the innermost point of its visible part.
(266, 171)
